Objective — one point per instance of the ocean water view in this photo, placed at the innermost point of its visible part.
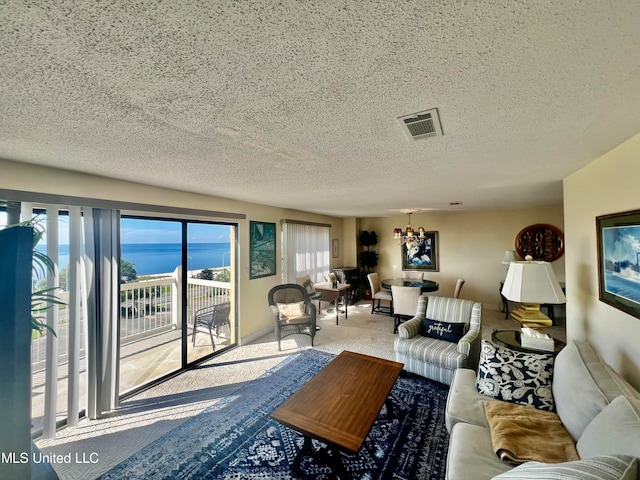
(154, 258)
(625, 287)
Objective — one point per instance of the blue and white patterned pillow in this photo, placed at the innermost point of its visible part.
(517, 377)
(605, 467)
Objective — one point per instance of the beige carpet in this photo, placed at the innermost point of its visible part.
(149, 415)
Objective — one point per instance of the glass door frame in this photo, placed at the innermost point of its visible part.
(233, 246)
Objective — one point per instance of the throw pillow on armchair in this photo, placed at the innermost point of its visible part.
(447, 331)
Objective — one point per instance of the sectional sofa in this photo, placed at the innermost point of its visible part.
(597, 407)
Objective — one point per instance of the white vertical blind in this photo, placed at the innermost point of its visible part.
(306, 251)
(51, 367)
(102, 235)
(75, 275)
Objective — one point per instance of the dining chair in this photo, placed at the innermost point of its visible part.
(459, 284)
(379, 293)
(405, 303)
(411, 275)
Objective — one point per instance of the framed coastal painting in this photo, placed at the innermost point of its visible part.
(262, 249)
(619, 260)
(422, 257)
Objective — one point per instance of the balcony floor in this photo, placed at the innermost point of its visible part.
(141, 361)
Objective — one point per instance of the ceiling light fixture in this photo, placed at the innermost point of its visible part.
(409, 237)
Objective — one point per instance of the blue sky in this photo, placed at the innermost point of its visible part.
(160, 231)
(154, 231)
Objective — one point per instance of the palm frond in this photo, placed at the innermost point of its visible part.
(42, 264)
(41, 300)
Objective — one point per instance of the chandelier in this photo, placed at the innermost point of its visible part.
(409, 237)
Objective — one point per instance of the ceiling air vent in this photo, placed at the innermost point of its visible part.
(421, 125)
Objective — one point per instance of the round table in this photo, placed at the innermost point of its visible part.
(425, 285)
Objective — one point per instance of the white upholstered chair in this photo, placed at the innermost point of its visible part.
(405, 302)
(459, 284)
(434, 358)
(412, 275)
(379, 293)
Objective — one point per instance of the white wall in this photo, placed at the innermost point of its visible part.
(472, 245)
(607, 185)
(254, 314)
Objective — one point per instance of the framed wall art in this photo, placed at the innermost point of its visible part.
(422, 257)
(262, 249)
(619, 260)
(335, 252)
(541, 241)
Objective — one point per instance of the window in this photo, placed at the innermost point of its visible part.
(305, 250)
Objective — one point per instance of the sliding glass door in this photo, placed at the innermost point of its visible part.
(150, 319)
(210, 325)
(176, 296)
(137, 299)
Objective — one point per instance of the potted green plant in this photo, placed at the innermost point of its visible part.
(18, 257)
(368, 259)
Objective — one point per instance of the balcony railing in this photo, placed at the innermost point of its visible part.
(147, 308)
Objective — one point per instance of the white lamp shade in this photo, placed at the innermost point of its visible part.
(509, 256)
(532, 282)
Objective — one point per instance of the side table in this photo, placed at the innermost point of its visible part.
(511, 339)
(334, 294)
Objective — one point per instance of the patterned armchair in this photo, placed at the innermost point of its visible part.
(438, 359)
(293, 312)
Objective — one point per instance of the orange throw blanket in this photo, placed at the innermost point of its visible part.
(520, 433)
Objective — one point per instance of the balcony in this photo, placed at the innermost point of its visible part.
(150, 337)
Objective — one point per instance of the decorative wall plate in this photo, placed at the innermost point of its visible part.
(541, 241)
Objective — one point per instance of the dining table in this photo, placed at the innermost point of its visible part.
(425, 285)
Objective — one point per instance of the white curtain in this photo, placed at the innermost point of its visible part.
(306, 251)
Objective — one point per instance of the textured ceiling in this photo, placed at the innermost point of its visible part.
(294, 103)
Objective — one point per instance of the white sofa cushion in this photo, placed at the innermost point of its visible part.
(471, 454)
(464, 402)
(583, 385)
(613, 467)
(616, 429)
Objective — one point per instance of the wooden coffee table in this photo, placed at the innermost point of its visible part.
(338, 406)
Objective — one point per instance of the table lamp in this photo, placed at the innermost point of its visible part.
(509, 256)
(531, 284)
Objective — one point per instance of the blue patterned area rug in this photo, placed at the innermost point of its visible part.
(236, 438)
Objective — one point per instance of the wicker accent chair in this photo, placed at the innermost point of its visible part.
(302, 322)
(438, 359)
